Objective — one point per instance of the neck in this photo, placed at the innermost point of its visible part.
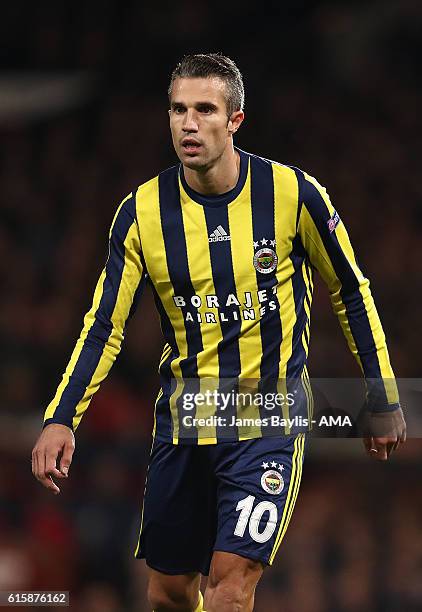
(217, 179)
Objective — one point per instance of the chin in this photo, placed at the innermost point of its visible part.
(193, 163)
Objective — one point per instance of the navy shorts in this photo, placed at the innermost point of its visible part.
(236, 497)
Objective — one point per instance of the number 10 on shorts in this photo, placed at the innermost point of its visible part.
(251, 517)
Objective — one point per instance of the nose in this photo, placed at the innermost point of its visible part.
(190, 123)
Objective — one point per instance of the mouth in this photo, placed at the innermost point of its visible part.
(191, 146)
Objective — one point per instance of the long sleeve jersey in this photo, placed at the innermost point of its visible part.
(232, 278)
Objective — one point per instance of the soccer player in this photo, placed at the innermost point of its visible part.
(228, 242)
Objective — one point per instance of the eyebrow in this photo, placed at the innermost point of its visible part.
(197, 105)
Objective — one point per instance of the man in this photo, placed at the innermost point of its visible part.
(228, 242)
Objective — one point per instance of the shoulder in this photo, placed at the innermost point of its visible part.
(289, 180)
(281, 169)
(264, 161)
(151, 183)
(313, 197)
(150, 188)
(306, 186)
(311, 192)
(141, 193)
(282, 175)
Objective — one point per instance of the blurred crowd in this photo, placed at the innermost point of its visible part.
(332, 89)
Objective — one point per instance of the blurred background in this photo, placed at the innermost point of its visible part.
(332, 87)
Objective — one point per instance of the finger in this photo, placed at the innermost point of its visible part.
(45, 476)
(34, 463)
(39, 472)
(372, 448)
(40, 467)
(66, 459)
(382, 453)
(390, 447)
(51, 465)
(401, 439)
(367, 442)
(381, 447)
(49, 483)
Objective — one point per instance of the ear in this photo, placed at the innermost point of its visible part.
(235, 121)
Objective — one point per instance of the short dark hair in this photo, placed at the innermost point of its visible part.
(205, 65)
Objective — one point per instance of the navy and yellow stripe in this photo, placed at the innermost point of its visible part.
(264, 235)
(292, 493)
(332, 254)
(120, 283)
(249, 340)
(286, 198)
(202, 279)
(224, 284)
(178, 267)
(218, 333)
(154, 256)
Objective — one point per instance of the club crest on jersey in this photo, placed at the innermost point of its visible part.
(265, 259)
(272, 482)
(333, 221)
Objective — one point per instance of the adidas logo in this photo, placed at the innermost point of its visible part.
(218, 235)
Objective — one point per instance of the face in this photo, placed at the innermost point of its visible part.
(199, 125)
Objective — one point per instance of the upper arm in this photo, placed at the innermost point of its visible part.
(325, 238)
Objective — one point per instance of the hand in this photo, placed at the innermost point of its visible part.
(56, 441)
(388, 431)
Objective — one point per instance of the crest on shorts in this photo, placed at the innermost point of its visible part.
(272, 482)
(265, 259)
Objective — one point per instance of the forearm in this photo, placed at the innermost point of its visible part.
(363, 331)
(89, 365)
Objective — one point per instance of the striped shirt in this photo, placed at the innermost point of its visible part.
(232, 278)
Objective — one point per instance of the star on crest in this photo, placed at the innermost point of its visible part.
(265, 465)
(256, 245)
(264, 241)
(280, 467)
(272, 243)
(273, 464)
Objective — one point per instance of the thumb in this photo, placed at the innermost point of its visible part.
(66, 459)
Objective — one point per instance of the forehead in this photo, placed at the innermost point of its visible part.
(192, 90)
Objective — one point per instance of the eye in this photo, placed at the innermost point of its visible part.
(178, 110)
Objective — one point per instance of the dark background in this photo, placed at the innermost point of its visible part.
(332, 87)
